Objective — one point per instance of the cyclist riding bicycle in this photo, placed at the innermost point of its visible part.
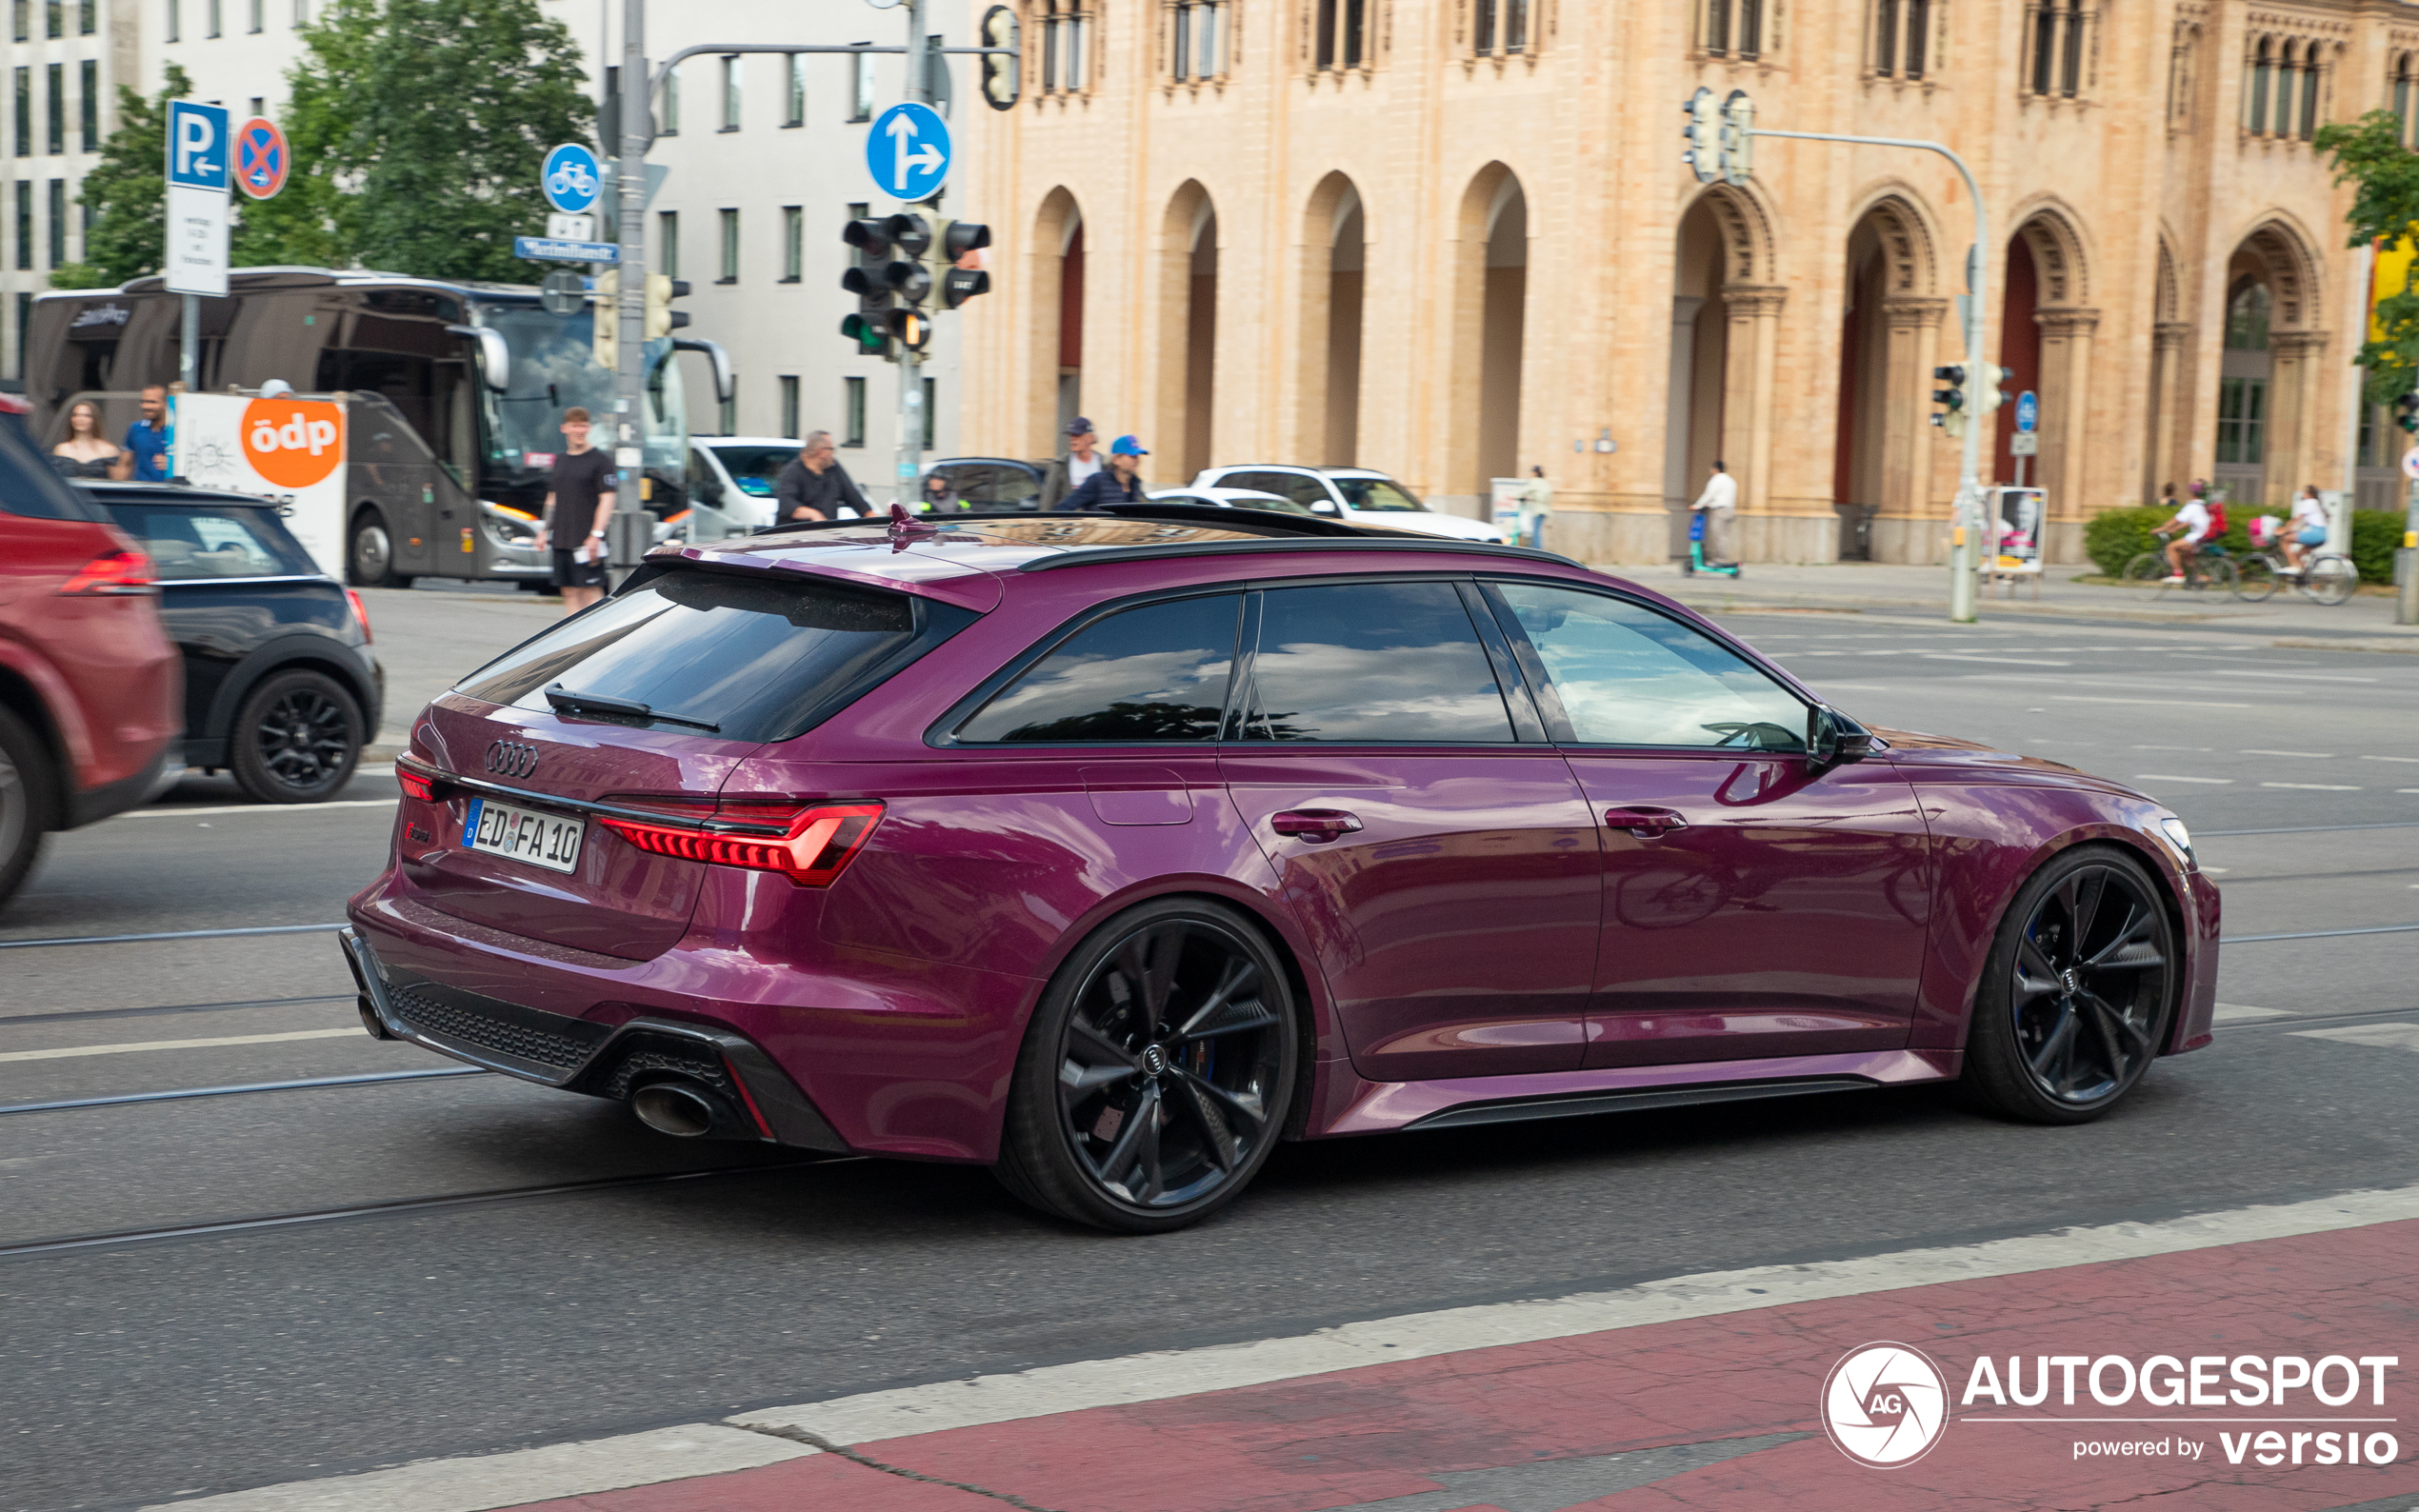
(2307, 530)
(2195, 524)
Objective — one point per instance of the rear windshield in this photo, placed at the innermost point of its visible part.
(188, 543)
(753, 660)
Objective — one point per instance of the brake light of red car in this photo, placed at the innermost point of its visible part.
(415, 786)
(109, 574)
(360, 616)
(819, 846)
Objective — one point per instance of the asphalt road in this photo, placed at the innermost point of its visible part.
(141, 1371)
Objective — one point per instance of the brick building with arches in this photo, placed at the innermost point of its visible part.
(1454, 239)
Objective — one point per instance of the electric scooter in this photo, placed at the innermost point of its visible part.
(1697, 562)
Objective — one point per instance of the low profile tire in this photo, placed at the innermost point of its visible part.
(1156, 1074)
(369, 553)
(296, 738)
(29, 793)
(2076, 997)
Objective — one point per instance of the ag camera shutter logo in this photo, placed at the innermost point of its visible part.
(1884, 1406)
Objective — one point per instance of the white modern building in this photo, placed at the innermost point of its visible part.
(765, 152)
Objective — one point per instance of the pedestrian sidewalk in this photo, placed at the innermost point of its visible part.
(1892, 588)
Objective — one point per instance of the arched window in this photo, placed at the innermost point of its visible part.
(2401, 81)
(2310, 91)
(1902, 36)
(1197, 34)
(2263, 64)
(2059, 46)
(1500, 28)
(1342, 40)
(1066, 34)
(1734, 29)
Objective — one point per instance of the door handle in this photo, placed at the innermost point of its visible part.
(1644, 821)
(1316, 824)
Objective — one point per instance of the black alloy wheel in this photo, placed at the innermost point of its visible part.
(296, 739)
(2080, 987)
(1157, 1072)
(25, 796)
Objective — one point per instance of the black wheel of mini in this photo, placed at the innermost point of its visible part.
(28, 790)
(296, 739)
(1157, 1072)
(2076, 997)
(369, 553)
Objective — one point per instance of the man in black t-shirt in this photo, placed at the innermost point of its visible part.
(577, 505)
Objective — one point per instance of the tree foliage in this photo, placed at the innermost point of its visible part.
(127, 192)
(2385, 210)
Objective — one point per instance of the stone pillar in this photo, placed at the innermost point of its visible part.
(1754, 314)
(1910, 322)
(2066, 413)
(2170, 434)
(2293, 400)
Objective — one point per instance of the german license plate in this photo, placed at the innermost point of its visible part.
(522, 834)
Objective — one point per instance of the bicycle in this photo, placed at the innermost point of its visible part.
(2330, 579)
(2209, 568)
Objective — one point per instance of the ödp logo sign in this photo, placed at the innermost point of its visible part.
(293, 443)
(1884, 1406)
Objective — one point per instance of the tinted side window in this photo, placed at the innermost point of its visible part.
(1154, 673)
(1627, 676)
(187, 544)
(1373, 662)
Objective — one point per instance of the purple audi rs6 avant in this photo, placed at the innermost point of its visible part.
(1111, 849)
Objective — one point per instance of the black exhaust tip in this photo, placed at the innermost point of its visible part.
(370, 1019)
(679, 1108)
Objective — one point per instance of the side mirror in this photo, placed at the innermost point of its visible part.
(1323, 506)
(1833, 738)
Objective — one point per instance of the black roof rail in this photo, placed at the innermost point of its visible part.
(1405, 544)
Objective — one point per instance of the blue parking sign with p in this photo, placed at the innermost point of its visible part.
(570, 178)
(197, 146)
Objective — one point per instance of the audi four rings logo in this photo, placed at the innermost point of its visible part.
(511, 759)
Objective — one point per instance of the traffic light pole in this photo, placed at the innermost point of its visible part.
(911, 418)
(1969, 535)
(628, 533)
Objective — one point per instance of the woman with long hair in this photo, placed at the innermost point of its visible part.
(86, 453)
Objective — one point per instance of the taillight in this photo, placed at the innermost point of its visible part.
(819, 845)
(360, 616)
(415, 786)
(111, 572)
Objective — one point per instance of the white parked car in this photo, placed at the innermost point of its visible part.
(1230, 499)
(1354, 495)
(731, 481)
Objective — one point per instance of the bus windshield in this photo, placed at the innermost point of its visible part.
(554, 367)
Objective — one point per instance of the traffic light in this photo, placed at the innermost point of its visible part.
(1991, 394)
(606, 308)
(1003, 77)
(662, 320)
(1738, 126)
(1703, 134)
(870, 327)
(1952, 397)
(961, 276)
(2407, 413)
(912, 326)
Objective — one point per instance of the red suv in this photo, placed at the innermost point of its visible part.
(91, 697)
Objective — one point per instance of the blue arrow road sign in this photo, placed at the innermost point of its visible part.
(570, 178)
(197, 146)
(908, 152)
(2027, 411)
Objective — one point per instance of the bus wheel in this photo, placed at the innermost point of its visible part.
(371, 556)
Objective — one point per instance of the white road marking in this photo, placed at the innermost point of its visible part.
(2414, 759)
(2004, 660)
(2170, 703)
(73, 1051)
(262, 808)
(2407, 789)
(2169, 777)
(2307, 755)
(2244, 1013)
(2201, 748)
(2298, 677)
(2383, 1036)
(476, 1484)
(2315, 787)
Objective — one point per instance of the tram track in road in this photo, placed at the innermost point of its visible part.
(79, 1015)
(185, 1093)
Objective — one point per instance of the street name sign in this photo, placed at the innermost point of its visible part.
(2027, 411)
(552, 249)
(196, 198)
(570, 178)
(908, 152)
(262, 159)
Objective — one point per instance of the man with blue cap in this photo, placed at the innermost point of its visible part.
(1118, 483)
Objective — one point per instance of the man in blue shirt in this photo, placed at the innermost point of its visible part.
(145, 459)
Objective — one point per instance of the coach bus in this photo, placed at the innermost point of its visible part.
(458, 389)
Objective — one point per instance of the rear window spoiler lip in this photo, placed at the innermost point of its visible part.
(926, 576)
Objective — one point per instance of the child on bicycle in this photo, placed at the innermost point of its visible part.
(2191, 525)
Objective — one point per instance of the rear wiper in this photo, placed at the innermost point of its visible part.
(566, 702)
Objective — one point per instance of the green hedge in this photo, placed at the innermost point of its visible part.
(2115, 537)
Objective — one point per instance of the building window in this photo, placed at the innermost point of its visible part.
(861, 88)
(88, 99)
(1066, 42)
(215, 28)
(2240, 420)
(302, 12)
(1197, 30)
(260, 103)
(258, 8)
(668, 118)
(793, 243)
(2406, 91)
(24, 318)
(55, 18)
(1341, 33)
(729, 248)
(794, 110)
(668, 243)
(853, 411)
(1902, 38)
(2058, 45)
(21, 18)
(1500, 28)
(932, 408)
(25, 112)
(25, 223)
(1734, 29)
(88, 17)
(731, 79)
(175, 19)
(58, 222)
(54, 108)
(789, 429)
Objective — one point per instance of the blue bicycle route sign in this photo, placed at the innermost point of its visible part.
(2028, 411)
(570, 178)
